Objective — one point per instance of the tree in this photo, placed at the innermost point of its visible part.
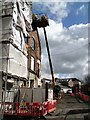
(86, 86)
(87, 78)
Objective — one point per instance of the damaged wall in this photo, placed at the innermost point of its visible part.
(14, 27)
(14, 32)
(16, 60)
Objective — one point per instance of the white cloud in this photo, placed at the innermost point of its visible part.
(59, 9)
(69, 50)
(81, 10)
(59, 1)
(82, 7)
(68, 46)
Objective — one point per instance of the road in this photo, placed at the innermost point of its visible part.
(64, 105)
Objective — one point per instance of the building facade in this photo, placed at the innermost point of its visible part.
(20, 46)
(70, 82)
(34, 59)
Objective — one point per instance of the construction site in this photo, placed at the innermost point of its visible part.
(21, 91)
(23, 95)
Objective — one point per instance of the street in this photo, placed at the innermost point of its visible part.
(66, 104)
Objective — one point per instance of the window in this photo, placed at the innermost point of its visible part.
(33, 43)
(32, 63)
(31, 83)
(25, 38)
(37, 70)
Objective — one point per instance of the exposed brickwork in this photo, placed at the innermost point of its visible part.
(35, 53)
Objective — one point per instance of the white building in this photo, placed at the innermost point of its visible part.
(13, 51)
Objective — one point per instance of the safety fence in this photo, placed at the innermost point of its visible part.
(29, 109)
(83, 97)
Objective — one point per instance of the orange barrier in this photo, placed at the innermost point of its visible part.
(83, 97)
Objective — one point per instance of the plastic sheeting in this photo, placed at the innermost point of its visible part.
(27, 12)
(17, 61)
(1, 53)
(22, 12)
(1, 112)
(6, 28)
(15, 27)
(4, 53)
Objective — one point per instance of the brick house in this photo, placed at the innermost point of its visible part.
(34, 59)
(73, 83)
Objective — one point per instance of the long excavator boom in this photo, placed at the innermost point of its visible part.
(42, 23)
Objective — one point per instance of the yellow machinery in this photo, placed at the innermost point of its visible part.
(43, 22)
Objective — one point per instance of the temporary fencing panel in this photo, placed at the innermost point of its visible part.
(32, 95)
(38, 95)
(26, 94)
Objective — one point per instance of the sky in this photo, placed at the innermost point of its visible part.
(67, 37)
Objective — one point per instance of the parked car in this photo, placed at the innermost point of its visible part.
(69, 91)
(66, 89)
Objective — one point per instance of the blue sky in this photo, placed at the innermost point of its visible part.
(77, 12)
(68, 38)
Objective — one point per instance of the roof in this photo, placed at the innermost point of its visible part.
(67, 79)
(45, 79)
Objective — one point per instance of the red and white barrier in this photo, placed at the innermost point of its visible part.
(83, 96)
(34, 109)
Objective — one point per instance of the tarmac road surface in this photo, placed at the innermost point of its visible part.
(66, 104)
